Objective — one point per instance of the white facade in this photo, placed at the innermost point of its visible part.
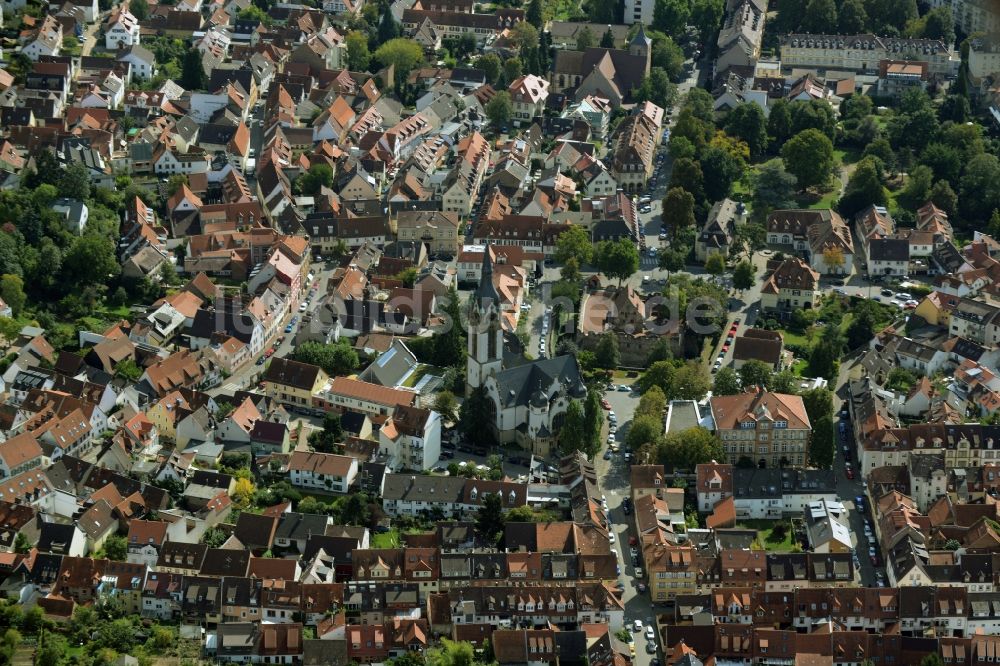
(414, 451)
(123, 32)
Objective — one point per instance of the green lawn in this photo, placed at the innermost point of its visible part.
(388, 539)
(766, 534)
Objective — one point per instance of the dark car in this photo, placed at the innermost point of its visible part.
(447, 454)
(650, 647)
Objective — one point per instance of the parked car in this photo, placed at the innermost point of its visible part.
(650, 634)
(637, 626)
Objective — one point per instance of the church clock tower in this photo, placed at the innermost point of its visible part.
(485, 355)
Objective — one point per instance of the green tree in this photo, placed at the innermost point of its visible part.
(116, 548)
(821, 446)
(863, 189)
(254, 13)
(499, 110)
(139, 9)
(706, 15)
(602, 12)
(657, 88)
(593, 418)
(942, 196)
(823, 362)
(512, 68)
(818, 403)
(666, 54)
(652, 403)
(193, 75)
(489, 518)
(852, 18)
(358, 56)
(91, 260)
(689, 448)
(574, 243)
(474, 418)
(955, 108)
(671, 16)
(862, 327)
(402, 53)
(128, 369)
(678, 210)
(809, 157)
(715, 264)
(573, 431)
(918, 187)
(332, 426)
(743, 275)
(726, 382)
(452, 653)
(643, 431)
(51, 650)
(607, 353)
(310, 182)
(446, 405)
(721, 170)
(607, 40)
(12, 292)
(938, 23)
(755, 373)
(490, 65)
(118, 635)
(584, 39)
(779, 122)
(388, 28)
(819, 16)
(533, 14)
(914, 130)
(22, 544)
(661, 374)
(748, 123)
(784, 382)
(979, 189)
(617, 259)
(688, 176)
(773, 188)
(74, 182)
(813, 114)
(690, 382)
(338, 358)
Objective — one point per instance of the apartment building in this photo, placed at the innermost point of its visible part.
(862, 53)
(771, 429)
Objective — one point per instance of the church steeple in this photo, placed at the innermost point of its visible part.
(485, 355)
(486, 293)
(642, 46)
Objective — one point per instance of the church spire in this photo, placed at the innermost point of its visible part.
(487, 291)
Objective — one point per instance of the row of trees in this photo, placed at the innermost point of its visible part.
(581, 429)
(850, 17)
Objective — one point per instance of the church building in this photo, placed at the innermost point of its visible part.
(528, 398)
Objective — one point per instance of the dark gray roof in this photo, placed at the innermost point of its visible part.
(56, 538)
(423, 488)
(889, 249)
(517, 384)
(295, 526)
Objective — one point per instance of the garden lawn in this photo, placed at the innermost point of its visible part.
(388, 539)
(766, 535)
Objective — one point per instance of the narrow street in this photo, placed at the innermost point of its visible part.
(614, 478)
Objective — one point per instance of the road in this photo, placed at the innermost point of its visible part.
(248, 375)
(90, 36)
(848, 489)
(614, 478)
